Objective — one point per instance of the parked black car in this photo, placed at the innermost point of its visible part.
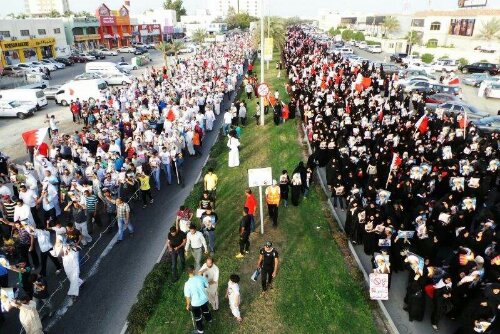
(97, 54)
(490, 68)
(140, 51)
(398, 57)
(65, 61)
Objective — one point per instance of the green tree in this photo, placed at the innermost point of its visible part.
(390, 25)
(347, 34)
(490, 30)
(334, 32)
(199, 35)
(238, 20)
(54, 13)
(427, 58)
(275, 29)
(359, 36)
(413, 37)
(83, 13)
(176, 5)
(218, 19)
(169, 49)
(295, 20)
(22, 16)
(68, 13)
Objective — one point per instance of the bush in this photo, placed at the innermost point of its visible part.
(359, 36)
(369, 42)
(147, 299)
(483, 61)
(415, 53)
(444, 57)
(347, 35)
(427, 58)
(462, 61)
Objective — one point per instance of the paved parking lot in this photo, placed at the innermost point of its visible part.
(11, 128)
(491, 106)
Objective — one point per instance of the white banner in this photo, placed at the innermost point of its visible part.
(379, 286)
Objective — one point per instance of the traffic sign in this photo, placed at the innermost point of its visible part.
(263, 89)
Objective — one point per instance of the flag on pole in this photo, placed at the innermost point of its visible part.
(34, 137)
(422, 124)
(380, 114)
(462, 123)
(396, 161)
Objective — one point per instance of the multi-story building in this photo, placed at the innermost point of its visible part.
(221, 7)
(31, 39)
(114, 26)
(459, 29)
(152, 24)
(328, 19)
(42, 7)
(82, 32)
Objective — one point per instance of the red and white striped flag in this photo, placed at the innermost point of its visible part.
(422, 124)
(396, 161)
(34, 137)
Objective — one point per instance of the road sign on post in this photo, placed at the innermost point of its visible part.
(263, 90)
(258, 177)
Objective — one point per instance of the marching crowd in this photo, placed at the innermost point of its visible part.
(419, 188)
(77, 184)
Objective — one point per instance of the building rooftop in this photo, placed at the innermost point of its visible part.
(461, 12)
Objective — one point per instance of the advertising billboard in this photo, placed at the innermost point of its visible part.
(462, 27)
(472, 3)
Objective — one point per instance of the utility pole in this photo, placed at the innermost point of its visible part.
(262, 59)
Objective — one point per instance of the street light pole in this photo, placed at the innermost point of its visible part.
(262, 59)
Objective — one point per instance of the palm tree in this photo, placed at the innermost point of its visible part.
(490, 30)
(54, 13)
(274, 28)
(391, 24)
(199, 35)
(169, 49)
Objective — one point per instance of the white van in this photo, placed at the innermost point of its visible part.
(84, 90)
(102, 67)
(16, 109)
(25, 95)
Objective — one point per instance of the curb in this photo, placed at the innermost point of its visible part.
(388, 317)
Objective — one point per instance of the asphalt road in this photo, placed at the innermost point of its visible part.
(469, 93)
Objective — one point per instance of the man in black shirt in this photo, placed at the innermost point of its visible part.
(245, 228)
(268, 262)
(175, 244)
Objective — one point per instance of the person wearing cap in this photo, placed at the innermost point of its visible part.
(195, 292)
(196, 243)
(273, 201)
(209, 220)
(4, 190)
(268, 262)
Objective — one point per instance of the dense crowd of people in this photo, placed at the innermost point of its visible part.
(420, 188)
(77, 184)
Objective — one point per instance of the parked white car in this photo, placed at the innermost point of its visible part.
(445, 65)
(50, 66)
(108, 52)
(126, 66)
(411, 59)
(50, 92)
(117, 79)
(53, 62)
(422, 66)
(90, 76)
(28, 67)
(87, 56)
(16, 109)
(375, 49)
(362, 45)
(492, 90)
(126, 49)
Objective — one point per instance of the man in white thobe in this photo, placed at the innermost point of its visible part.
(211, 273)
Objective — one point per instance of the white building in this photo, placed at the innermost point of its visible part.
(166, 19)
(31, 39)
(221, 7)
(37, 7)
(328, 18)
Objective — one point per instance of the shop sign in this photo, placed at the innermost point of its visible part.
(80, 38)
(28, 43)
(107, 20)
(15, 45)
(44, 41)
(122, 20)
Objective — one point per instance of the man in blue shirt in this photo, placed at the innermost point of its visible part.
(195, 291)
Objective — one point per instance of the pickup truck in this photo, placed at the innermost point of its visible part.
(445, 65)
(411, 59)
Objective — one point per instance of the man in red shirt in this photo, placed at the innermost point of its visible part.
(251, 204)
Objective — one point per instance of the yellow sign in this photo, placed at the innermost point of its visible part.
(27, 43)
(268, 49)
(80, 38)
